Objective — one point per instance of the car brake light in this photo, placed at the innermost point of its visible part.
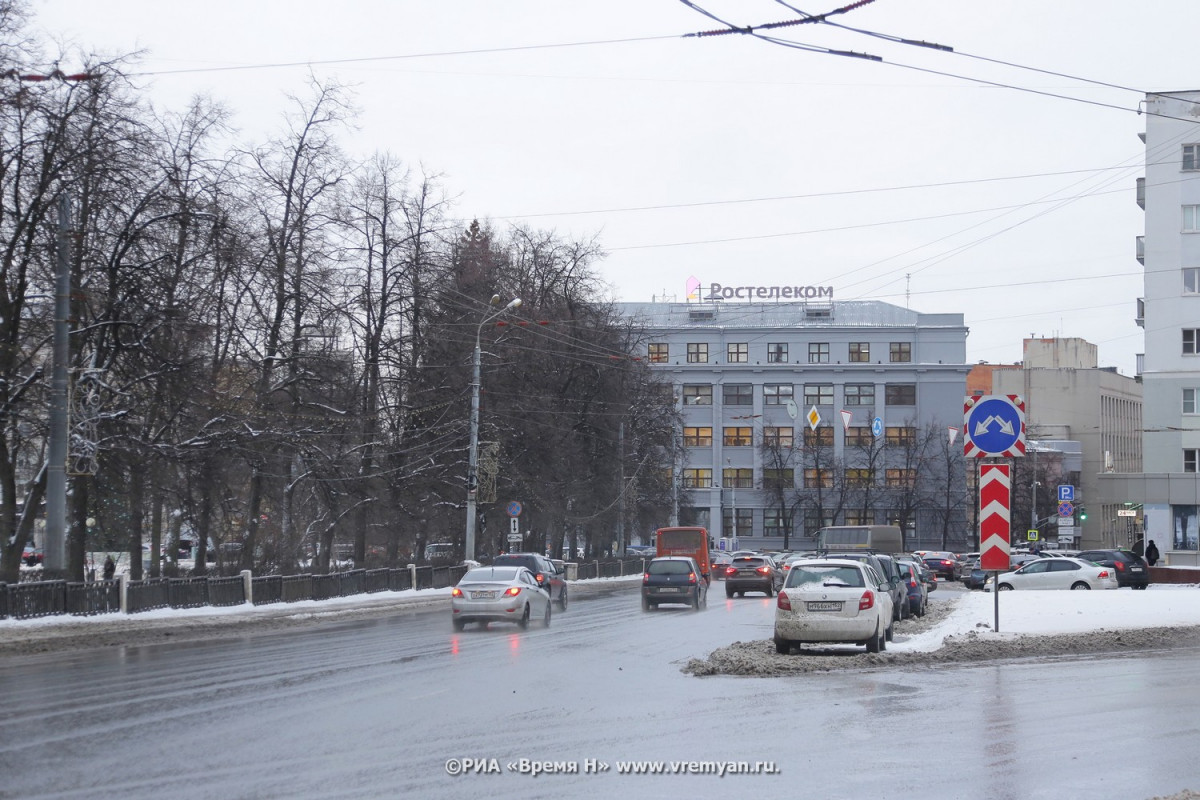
(731, 570)
(867, 601)
(946, 563)
(1119, 565)
(1103, 573)
(782, 601)
(540, 578)
(691, 577)
(912, 584)
(456, 592)
(645, 577)
(513, 591)
(763, 570)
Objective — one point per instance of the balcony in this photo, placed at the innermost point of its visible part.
(1141, 193)
(1140, 319)
(1141, 250)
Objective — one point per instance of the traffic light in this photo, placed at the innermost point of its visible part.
(1082, 513)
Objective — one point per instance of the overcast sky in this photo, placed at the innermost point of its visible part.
(921, 180)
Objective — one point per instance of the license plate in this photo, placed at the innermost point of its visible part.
(824, 605)
(483, 595)
(670, 590)
(747, 573)
(1135, 569)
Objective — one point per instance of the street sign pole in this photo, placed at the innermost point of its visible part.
(995, 496)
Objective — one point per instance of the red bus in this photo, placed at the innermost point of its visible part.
(685, 542)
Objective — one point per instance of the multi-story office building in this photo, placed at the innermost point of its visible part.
(1169, 486)
(802, 414)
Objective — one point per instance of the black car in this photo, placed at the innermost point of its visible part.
(943, 564)
(674, 579)
(752, 574)
(548, 575)
(1131, 569)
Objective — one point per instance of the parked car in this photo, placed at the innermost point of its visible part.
(32, 556)
(674, 579)
(944, 564)
(973, 576)
(1057, 573)
(639, 551)
(756, 573)
(889, 573)
(918, 593)
(499, 594)
(1131, 569)
(548, 576)
(833, 600)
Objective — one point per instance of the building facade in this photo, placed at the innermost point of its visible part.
(1168, 487)
(800, 414)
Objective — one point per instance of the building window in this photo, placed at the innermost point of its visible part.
(779, 437)
(901, 478)
(818, 394)
(858, 478)
(779, 479)
(901, 394)
(1189, 401)
(903, 436)
(1191, 219)
(697, 394)
(1191, 460)
(857, 516)
(774, 522)
(777, 394)
(821, 437)
(1184, 521)
(859, 437)
(1191, 157)
(737, 478)
(659, 352)
(742, 526)
(860, 394)
(737, 352)
(814, 521)
(860, 352)
(738, 394)
(900, 352)
(818, 477)
(777, 353)
(697, 353)
(738, 437)
(1191, 280)
(697, 479)
(1190, 337)
(697, 437)
(818, 352)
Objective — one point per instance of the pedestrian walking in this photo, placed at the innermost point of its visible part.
(110, 568)
(1151, 553)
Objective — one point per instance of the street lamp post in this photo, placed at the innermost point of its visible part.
(473, 459)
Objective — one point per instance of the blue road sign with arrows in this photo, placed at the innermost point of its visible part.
(995, 426)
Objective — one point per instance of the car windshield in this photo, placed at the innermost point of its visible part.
(825, 575)
(670, 568)
(490, 574)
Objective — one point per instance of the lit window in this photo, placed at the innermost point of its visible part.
(779, 437)
(659, 352)
(697, 479)
(901, 478)
(900, 352)
(777, 353)
(859, 437)
(901, 436)
(821, 437)
(737, 478)
(737, 353)
(818, 477)
(697, 353)
(818, 352)
(738, 437)
(860, 352)
(697, 437)
(858, 478)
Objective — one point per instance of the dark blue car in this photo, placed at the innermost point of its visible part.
(918, 594)
(972, 576)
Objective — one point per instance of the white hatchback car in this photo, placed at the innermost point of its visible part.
(1055, 572)
(833, 600)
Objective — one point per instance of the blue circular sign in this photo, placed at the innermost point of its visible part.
(877, 426)
(994, 425)
(514, 509)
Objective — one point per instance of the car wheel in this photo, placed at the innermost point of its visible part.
(782, 646)
(696, 600)
(562, 599)
(546, 617)
(1004, 587)
(873, 644)
(524, 621)
(728, 592)
(770, 590)
(1080, 585)
(890, 633)
(459, 624)
(645, 604)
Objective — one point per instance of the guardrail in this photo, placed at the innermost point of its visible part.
(32, 599)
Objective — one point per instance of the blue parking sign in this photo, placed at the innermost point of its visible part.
(1066, 493)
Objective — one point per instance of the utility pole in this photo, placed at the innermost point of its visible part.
(56, 467)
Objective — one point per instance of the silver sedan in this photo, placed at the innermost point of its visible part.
(1055, 573)
(499, 594)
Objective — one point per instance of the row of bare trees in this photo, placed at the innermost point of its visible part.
(277, 341)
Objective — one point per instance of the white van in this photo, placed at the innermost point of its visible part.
(880, 538)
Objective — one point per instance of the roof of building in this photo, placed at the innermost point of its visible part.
(830, 314)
